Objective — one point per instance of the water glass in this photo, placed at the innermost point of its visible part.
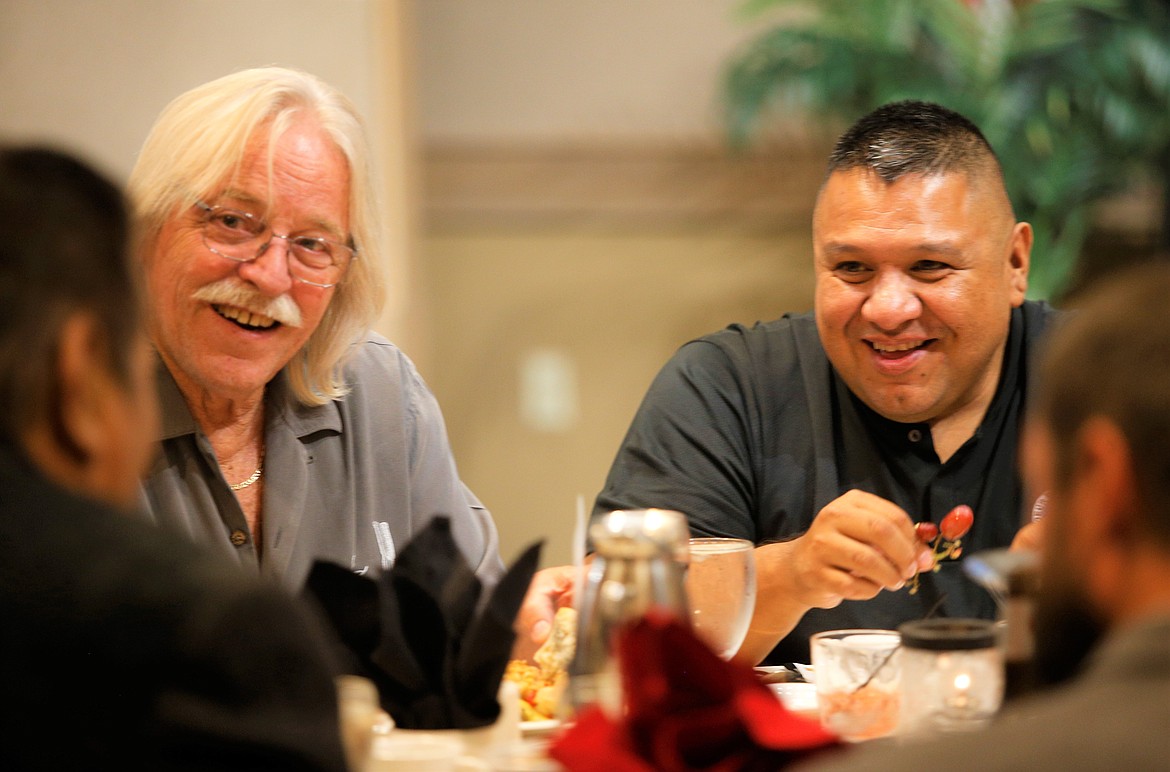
(721, 591)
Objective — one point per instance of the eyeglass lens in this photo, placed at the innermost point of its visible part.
(243, 237)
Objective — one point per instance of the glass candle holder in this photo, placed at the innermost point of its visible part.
(952, 675)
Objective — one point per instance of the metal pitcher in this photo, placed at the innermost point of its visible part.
(639, 561)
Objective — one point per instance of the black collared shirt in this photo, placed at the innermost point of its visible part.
(750, 433)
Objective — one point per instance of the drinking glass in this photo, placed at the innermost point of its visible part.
(857, 677)
(721, 591)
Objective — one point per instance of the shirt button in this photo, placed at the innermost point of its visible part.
(239, 538)
(915, 435)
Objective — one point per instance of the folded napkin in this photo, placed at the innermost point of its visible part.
(420, 632)
(686, 709)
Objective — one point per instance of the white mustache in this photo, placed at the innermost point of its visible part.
(232, 292)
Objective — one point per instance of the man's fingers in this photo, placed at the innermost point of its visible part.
(869, 538)
(883, 548)
(831, 585)
(540, 630)
(550, 589)
(1030, 537)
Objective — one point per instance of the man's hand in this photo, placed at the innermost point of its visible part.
(550, 589)
(1030, 537)
(857, 546)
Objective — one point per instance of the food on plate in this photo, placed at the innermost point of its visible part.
(944, 539)
(539, 696)
(557, 651)
(542, 684)
(860, 714)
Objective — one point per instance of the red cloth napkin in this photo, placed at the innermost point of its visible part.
(686, 709)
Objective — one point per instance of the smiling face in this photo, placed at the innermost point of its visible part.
(916, 280)
(217, 323)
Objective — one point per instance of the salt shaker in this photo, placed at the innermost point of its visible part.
(639, 561)
(952, 674)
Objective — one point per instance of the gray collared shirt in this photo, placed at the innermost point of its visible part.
(348, 482)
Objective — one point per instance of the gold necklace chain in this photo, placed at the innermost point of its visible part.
(251, 479)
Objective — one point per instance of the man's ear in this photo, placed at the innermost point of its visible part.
(1106, 508)
(84, 381)
(1019, 261)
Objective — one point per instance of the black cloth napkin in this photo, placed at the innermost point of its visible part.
(421, 633)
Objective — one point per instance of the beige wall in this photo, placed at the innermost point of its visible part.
(616, 305)
(540, 70)
(608, 258)
(580, 210)
(93, 74)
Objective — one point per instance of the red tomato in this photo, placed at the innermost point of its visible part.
(927, 532)
(957, 522)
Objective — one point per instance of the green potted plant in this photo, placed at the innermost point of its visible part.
(1073, 94)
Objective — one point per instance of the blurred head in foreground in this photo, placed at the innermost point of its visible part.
(76, 372)
(1098, 441)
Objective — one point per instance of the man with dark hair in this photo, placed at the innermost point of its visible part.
(823, 437)
(1098, 442)
(122, 647)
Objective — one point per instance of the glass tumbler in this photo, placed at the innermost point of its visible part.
(857, 677)
(721, 591)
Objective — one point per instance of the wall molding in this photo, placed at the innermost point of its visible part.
(611, 185)
(644, 185)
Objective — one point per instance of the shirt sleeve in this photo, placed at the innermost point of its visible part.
(435, 485)
(689, 446)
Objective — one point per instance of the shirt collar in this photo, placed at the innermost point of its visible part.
(282, 406)
(176, 416)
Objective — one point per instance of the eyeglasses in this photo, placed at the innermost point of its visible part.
(243, 237)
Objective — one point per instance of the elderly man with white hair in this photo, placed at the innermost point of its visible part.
(290, 432)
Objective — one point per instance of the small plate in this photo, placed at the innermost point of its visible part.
(799, 698)
(538, 728)
(777, 674)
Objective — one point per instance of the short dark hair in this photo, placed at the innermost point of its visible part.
(64, 247)
(912, 137)
(1112, 359)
